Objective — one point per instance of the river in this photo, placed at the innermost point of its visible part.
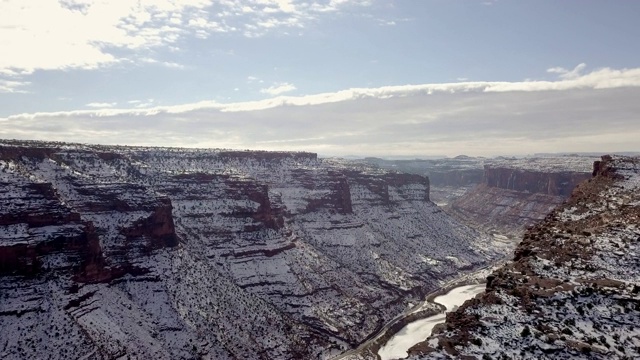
(419, 330)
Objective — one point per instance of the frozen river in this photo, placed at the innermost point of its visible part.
(419, 330)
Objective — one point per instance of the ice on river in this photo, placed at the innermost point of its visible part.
(419, 330)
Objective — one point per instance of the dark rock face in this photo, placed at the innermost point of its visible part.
(456, 178)
(571, 290)
(157, 229)
(501, 210)
(43, 220)
(510, 199)
(174, 253)
(547, 183)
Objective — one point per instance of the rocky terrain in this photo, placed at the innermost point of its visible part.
(572, 289)
(498, 195)
(164, 253)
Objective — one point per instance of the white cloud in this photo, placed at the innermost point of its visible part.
(285, 6)
(141, 103)
(168, 64)
(568, 74)
(278, 89)
(13, 86)
(91, 34)
(596, 111)
(52, 34)
(101, 105)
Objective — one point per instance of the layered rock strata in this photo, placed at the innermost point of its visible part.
(572, 289)
(510, 199)
(498, 195)
(109, 252)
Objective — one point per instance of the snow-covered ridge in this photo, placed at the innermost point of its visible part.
(572, 289)
(182, 253)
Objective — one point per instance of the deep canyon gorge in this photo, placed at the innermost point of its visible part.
(115, 252)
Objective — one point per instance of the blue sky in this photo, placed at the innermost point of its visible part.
(266, 73)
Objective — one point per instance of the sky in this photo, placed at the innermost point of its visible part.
(338, 77)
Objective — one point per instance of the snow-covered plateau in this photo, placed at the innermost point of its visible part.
(113, 252)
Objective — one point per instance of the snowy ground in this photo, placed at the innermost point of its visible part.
(280, 255)
(572, 290)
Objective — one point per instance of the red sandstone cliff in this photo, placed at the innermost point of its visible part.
(510, 199)
(529, 181)
(42, 221)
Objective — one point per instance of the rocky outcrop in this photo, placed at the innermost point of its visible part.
(502, 211)
(571, 290)
(197, 253)
(157, 229)
(52, 221)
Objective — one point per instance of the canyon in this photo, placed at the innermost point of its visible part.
(499, 195)
(571, 289)
(173, 253)
(167, 253)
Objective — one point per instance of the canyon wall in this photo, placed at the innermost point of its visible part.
(554, 183)
(498, 195)
(456, 178)
(509, 199)
(108, 252)
(571, 291)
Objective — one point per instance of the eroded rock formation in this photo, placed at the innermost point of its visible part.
(109, 252)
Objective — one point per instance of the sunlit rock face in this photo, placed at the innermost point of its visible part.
(571, 291)
(174, 253)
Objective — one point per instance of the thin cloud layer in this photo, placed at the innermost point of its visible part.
(605, 78)
(278, 89)
(101, 105)
(596, 111)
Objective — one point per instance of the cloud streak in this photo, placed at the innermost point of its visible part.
(12, 86)
(101, 105)
(278, 89)
(595, 111)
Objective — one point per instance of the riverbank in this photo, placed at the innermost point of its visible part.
(369, 349)
(417, 331)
